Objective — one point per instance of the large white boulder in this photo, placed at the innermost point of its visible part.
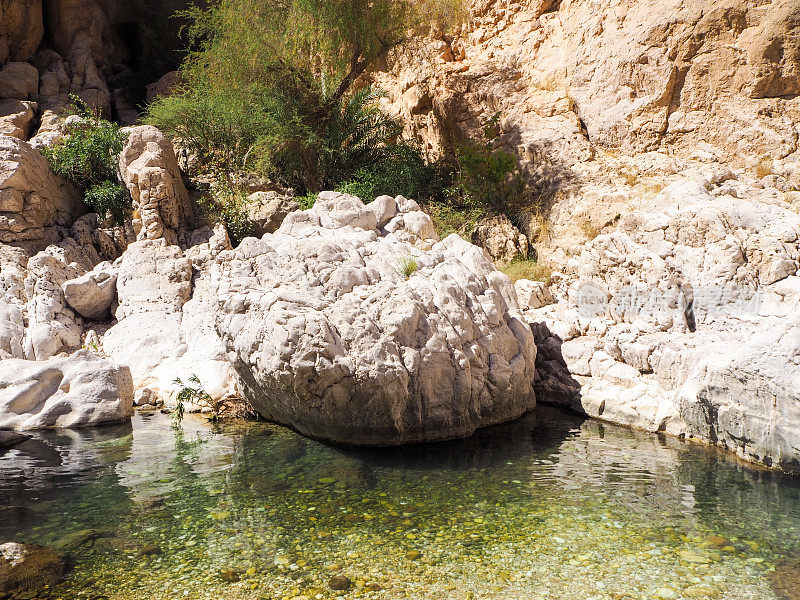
(81, 390)
(165, 315)
(348, 333)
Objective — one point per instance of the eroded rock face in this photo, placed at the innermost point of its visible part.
(91, 295)
(501, 239)
(683, 319)
(632, 74)
(166, 316)
(16, 118)
(266, 210)
(33, 201)
(21, 29)
(81, 390)
(150, 171)
(331, 335)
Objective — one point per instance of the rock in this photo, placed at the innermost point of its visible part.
(532, 294)
(19, 81)
(16, 118)
(150, 171)
(153, 276)
(266, 211)
(785, 579)
(53, 327)
(317, 315)
(81, 390)
(165, 323)
(21, 30)
(385, 208)
(164, 86)
(339, 583)
(91, 294)
(647, 81)
(498, 236)
(26, 569)
(33, 201)
(144, 397)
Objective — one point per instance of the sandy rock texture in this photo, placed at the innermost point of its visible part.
(568, 76)
(33, 201)
(330, 334)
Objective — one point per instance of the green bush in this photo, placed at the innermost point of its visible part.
(88, 157)
(226, 203)
(489, 178)
(269, 86)
(402, 171)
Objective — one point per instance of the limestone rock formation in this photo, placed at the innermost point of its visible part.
(81, 390)
(21, 29)
(329, 335)
(683, 319)
(91, 294)
(33, 201)
(16, 118)
(266, 211)
(150, 170)
(501, 239)
(566, 76)
(165, 315)
(19, 80)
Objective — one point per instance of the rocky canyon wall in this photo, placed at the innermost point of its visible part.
(637, 75)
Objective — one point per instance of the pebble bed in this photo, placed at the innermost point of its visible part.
(547, 508)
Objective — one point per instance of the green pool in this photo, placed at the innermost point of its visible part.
(550, 507)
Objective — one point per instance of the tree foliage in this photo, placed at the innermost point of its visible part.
(269, 84)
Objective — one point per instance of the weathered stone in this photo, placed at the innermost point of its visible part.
(21, 29)
(16, 118)
(501, 239)
(150, 171)
(358, 352)
(91, 295)
(26, 569)
(266, 211)
(81, 390)
(33, 201)
(19, 81)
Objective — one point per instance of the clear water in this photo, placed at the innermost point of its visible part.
(550, 507)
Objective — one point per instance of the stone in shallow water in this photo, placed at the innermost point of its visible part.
(785, 580)
(339, 582)
(328, 336)
(27, 568)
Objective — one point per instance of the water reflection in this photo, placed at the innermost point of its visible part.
(550, 506)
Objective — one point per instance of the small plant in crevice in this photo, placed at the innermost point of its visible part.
(193, 392)
(227, 203)
(88, 157)
(407, 266)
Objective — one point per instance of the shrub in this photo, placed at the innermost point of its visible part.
(489, 178)
(194, 393)
(404, 171)
(228, 204)
(88, 157)
(289, 109)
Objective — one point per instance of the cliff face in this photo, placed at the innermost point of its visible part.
(97, 49)
(634, 74)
